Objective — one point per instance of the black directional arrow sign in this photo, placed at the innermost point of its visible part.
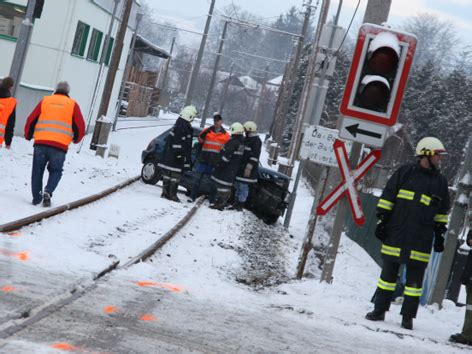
(354, 130)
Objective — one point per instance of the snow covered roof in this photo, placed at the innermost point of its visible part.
(248, 82)
(145, 46)
(276, 80)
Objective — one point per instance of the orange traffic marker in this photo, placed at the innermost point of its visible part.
(147, 317)
(110, 309)
(8, 289)
(171, 287)
(22, 256)
(64, 346)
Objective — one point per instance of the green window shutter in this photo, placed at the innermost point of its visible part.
(95, 44)
(83, 41)
(109, 51)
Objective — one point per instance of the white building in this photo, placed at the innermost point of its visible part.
(66, 44)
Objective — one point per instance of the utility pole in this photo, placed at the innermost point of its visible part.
(376, 13)
(225, 91)
(290, 83)
(166, 70)
(102, 127)
(129, 63)
(22, 44)
(315, 118)
(196, 68)
(257, 111)
(459, 209)
(213, 76)
(115, 60)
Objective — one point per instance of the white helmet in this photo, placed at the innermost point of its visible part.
(236, 128)
(189, 113)
(250, 126)
(430, 146)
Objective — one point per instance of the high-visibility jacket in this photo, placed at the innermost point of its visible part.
(228, 162)
(178, 149)
(7, 106)
(413, 201)
(212, 142)
(56, 121)
(252, 152)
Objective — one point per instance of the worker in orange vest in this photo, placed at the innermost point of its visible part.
(212, 140)
(7, 112)
(55, 123)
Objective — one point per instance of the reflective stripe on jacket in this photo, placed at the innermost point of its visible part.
(212, 142)
(55, 122)
(7, 106)
(413, 200)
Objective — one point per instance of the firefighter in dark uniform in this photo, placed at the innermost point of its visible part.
(249, 167)
(177, 153)
(411, 212)
(227, 167)
(465, 337)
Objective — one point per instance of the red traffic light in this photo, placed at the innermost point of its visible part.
(379, 71)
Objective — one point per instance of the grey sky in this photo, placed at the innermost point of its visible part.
(190, 14)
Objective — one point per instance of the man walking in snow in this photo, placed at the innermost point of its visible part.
(7, 112)
(412, 209)
(177, 153)
(55, 123)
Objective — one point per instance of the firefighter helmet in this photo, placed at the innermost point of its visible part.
(430, 146)
(188, 113)
(236, 128)
(250, 126)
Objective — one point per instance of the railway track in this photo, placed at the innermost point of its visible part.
(28, 315)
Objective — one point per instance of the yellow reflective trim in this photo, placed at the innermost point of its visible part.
(391, 251)
(440, 218)
(406, 194)
(385, 204)
(413, 291)
(425, 199)
(382, 284)
(420, 256)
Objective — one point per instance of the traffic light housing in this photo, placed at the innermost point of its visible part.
(378, 75)
(38, 9)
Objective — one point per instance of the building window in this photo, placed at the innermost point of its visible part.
(109, 51)
(80, 39)
(11, 16)
(95, 44)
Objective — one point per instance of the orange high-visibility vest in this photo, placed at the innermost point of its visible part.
(214, 142)
(55, 120)
(7, 105)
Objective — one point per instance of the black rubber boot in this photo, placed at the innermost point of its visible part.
(46, 200)
(459, 338)
(238, 206)
(376, 315)
(165, 189)
(407, 322)
(173, 191)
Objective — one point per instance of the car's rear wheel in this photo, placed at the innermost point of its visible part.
(150, 173)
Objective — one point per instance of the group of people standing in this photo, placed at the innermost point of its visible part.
(229, 159)
(54, 124)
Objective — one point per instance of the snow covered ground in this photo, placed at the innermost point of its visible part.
(234, 274)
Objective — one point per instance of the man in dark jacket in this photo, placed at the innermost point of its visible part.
(412, 209)
(228, 166)
(7, 112)
(212, 140)
(249, 167)
(177, 153)
(465, 337)
(55, 123)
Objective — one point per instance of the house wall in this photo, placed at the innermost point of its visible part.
(49, 57)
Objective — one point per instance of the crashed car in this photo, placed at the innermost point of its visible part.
(268, 198)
